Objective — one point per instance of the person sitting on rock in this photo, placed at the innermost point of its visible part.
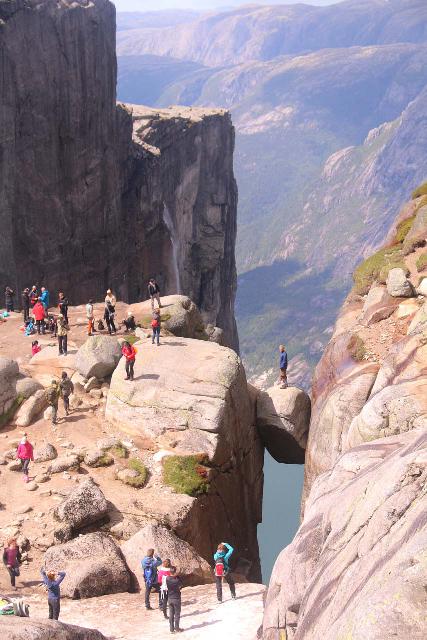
(174, 586)
(129, 353)
(283, 365)
(156, 325)
(149, 567)
(66, 389)
(52, 395)
(162, 573)
(35, 347)
(129, 322)
(154, 292)
(52, 583)
(25, 454)
(11, 560)
(222, 569)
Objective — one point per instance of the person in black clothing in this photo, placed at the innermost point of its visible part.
(8, 296)
(34, 295)
(26, 304)
(154, 292)
(109, 318)
(174, 586)
(63, 305)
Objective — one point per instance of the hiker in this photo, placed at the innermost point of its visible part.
(110, 299)
(12, 559)
(149, 567)
(283, 364)
(44, 298)
(109, 318)
(62, 331)
(129, 353)
(155, 325)
(90, 318)
(52, 583)
(39, 315)
(174, 586)
(222, 569)
(162, 573)
(8, 298)
(63, 305)
(52, 395)
(29, 328)
(35, 347)
(154, 292)
(25, 454)
(34, 295)
(66, 388)
(129, 322)
(25, 297)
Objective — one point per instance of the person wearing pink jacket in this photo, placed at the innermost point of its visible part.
(162, 573)
(25, 454)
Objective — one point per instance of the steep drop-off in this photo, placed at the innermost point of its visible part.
(84, 203)
(356, 568)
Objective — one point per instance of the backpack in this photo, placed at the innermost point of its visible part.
(100, 325)
(220, 570)
(51, 395)
(154, 323)
(149, 575)
(163, 588)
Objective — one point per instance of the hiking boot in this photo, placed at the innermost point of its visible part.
(127, 378)
(149, 608)
(233, 596)
(179, 630)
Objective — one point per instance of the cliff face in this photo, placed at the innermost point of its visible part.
(83, 206)
(355, 568)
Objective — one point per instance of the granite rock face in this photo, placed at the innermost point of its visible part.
(95, 196)
(27, 629)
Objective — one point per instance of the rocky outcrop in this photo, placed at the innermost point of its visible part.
(85, 506)
(283, 418)
(9, 372)
(160, 201)
(190, 397)
(98, 357)
(31, 408)
(26, 629)
(398, 284)
(93, 564)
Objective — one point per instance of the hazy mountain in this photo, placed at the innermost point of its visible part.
(136, 20)
(312, 178)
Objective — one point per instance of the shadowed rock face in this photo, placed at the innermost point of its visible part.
(83, 204)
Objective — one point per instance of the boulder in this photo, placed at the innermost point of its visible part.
(26, 387)
(283, 418)
(94, 566)
(64, 463)
(45, 453)
(84, 506)
(98, 357)
(419, 321)
(31, 409)
(92, 383)
(9, 372)
(398, 284)
(182, 317)
(14, 628)
(79, 382)
(422, 287)
(379, 305)
(417, 234)
(98, 458)
(191, 567)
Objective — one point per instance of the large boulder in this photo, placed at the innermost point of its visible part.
(9, 372)
(84, 506)
(98, 357)
(191, 567)
(398, 284)
(417, 235)
(94, 566)
(422, 287)
(181, 317)
(283, 418)
(45, 453)
(31, 409)
(14, 628)
(379, 305)
(356, 568)
(26, 387)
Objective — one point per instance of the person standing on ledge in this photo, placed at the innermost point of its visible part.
(154, 292)
(90, 318)
(174, 586)
(222, 569)
(149, 567)
(26, 304)
(283, 365)
(62, 331)
(129, 353)
(110, 299)
(8, 298)
(63, 305)
(44, 298)
(155, 325)
(39, 314)
(52, 583)
(25, 454)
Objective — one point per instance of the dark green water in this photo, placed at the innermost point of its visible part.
(281, 509)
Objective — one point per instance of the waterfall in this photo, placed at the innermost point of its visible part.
(167, 219)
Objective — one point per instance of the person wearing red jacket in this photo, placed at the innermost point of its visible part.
(39, 314)
(129, 353)
(25, 453)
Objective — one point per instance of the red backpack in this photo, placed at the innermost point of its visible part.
(219, 568)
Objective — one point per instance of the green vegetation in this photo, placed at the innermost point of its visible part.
(145, 321)
(186, 474)
(105, 461)
(139, 481)
(132, 339)
(356, 348)
(421, 262)
(119, 451)
(376, 267)
(7, 416)
(420, 191)
(422, 203)
(403, 229)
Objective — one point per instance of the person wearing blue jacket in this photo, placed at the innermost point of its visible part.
(52, 583)
(44, 298)
(149, 568)
(222, 569)
(283, 365)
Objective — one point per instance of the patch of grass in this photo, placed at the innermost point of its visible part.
(119, 451)
(420, 191)
(403, 229)
(132, 339)
(186, 474)
(136, 465)
(421, 262)
(356, 348)
(145, 321)
(105, 461)
(376, 267)
(7, 416)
